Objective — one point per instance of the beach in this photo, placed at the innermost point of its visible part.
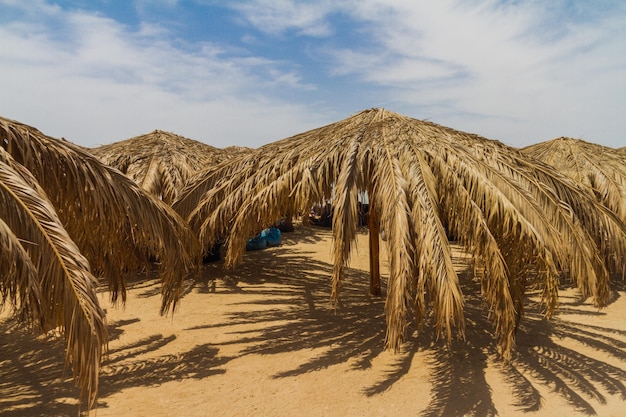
(264, 339)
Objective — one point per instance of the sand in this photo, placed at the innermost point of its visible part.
(264, 340)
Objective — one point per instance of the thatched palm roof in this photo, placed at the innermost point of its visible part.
(424, 182)
(65, 217)
(160, 162)
(599, 168)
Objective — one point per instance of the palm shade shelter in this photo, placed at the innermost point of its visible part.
(66, 219)
(602, 170)
(522, 221)
(160, 162)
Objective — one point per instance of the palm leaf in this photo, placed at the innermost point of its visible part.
(44, 271)
(599, 168)
(118, 226)
(522, 221)
(161, 162)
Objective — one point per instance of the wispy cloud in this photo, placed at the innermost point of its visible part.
(90, 65)
(519, 71)
(517, 60)
(278, 16)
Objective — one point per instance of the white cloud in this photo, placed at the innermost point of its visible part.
(277, 16)
(518, 71)
(494, 63)
(89, 75)
(521, 71)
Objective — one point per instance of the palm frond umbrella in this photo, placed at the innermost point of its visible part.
(424, 182)
(76, 217)
(160, 162)
(599, 168)
(44, 276)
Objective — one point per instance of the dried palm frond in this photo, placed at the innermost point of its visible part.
(161, 162)
(235, 150)
(424, 182)
(44, 275)
(599, 168)
(118, 226)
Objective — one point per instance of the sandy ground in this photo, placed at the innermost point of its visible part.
(263, 340)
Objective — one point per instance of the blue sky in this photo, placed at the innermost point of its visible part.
(251, 72)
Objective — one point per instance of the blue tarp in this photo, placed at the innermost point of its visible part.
(272, 236)
(268, 237)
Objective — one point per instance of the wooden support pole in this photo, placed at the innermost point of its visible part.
(374, 230)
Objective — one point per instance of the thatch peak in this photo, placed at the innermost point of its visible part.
(372, 125)
(160, 162)
(601, 169)
(568, 142)
(157, 138)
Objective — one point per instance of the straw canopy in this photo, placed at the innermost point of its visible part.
(65, 217)
(599, 168)
(522, 221)
(160, 162)
(235, 150)
(44, 276)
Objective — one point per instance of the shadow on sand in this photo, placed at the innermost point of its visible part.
(33, 381)
(355, 332)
